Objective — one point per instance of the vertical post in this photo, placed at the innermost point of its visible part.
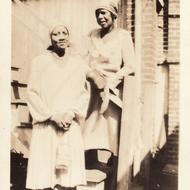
(138, 46)
(127, 130)
(138, 16)
(131, 128)
(138, 80)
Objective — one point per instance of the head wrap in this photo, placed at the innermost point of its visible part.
(52, 25)
(109, 5)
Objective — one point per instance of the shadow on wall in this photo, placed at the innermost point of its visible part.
(159, 172)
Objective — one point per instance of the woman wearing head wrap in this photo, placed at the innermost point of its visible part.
(57, 100)
(111, 58)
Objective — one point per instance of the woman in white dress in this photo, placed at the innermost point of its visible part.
(111, 58)
(57, 100)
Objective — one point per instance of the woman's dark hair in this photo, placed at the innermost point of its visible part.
(50, 48)
(113, 16)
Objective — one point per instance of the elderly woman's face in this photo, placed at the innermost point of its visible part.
(104, 18)
(60, 37)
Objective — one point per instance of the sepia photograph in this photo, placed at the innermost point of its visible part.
(94, 95)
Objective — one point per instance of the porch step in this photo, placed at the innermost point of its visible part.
(99, 186)
(95, 180)
(95, 176)
(170, 169)
(170, 177)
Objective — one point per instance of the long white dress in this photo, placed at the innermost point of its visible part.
(56, 85)
(113, 57)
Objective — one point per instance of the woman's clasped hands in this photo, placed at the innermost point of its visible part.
(64, 120)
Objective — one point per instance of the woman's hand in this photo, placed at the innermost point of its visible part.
(114, 82)
(67, 120)
(57, 118)
(97, 78)
(100, 82)
(63, 120)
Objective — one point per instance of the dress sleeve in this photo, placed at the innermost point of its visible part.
(128, 59)
(128, 55)
(80, 107)
(38, 109)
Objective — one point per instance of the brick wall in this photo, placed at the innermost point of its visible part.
(166, 34)
(148, 41)
(166, 47)
(173, 59)
(127, 16)
(148, 74)
(148, 61)
(160, 72)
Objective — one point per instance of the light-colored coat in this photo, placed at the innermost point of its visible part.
(56, 85)
(113, 57)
